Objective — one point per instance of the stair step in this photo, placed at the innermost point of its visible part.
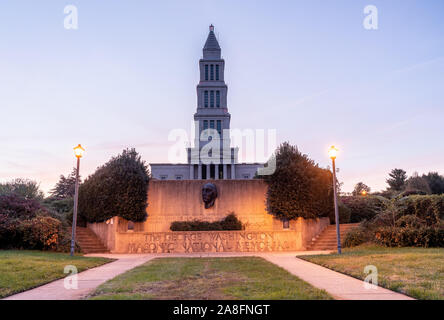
(88, 241)
(327, 239)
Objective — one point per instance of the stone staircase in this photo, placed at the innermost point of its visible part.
(327, 239)
(88, 241)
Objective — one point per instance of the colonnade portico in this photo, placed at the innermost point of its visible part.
(206, 171)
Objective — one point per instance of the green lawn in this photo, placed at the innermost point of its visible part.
(417, 272)
(208, 279)
(23, 270)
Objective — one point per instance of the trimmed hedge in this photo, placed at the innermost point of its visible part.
(230, 222)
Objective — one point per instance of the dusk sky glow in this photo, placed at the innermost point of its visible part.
(308, 69)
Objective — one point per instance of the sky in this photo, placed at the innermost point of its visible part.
(308, 69)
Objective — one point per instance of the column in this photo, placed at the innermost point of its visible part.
(191, 171)
(208, 172)
(216, 172)
(225, 171)
(199, 173)
(233, 172)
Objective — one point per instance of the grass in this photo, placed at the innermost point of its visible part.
(417, 272)
(208, 279)
(21, 270)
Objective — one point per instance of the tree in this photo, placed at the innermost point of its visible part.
(417, 184)
(397, 179)
(298, 187)
(435, 181)
(25, 188)
(359, 188)
(65, 187)
(118, 188)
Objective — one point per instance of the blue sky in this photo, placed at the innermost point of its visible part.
(307, 68)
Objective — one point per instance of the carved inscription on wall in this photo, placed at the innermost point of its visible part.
(231, 241)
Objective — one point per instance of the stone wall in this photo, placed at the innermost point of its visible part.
(209, 241)
(106, 232)
(170, 201)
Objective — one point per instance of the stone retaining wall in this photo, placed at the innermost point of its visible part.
(170, 201)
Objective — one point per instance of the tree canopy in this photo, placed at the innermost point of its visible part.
(25, 188)
(298, 187)
(65, 187)
(397, 180)
(360, 187)
(418, 184)
(435, 182)
(118, 188)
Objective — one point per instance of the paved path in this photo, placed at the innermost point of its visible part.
(338, 285)
(87, 281)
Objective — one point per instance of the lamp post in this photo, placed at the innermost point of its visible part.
(333, 153)
(78, 151)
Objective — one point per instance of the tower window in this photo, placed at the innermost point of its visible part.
(212, 99)
(206, 72)
(217, 72)
(206, 99)
(211, 124)
(219, 126)
(205, 124)
(212, 72)
(218, 98)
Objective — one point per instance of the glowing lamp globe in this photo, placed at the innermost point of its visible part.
(332, 152)
(78, 151)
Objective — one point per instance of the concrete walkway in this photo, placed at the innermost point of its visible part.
(337, 284)
(340, 286)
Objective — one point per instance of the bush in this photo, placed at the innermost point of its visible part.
(118, 188)
(357, 236)
(410, 237)
(364, 208)
(230, 222)
(298, 187)
(27, 189)
(15, 206)
(40, 233)
(10, 235)
(61, 209)
(25, 224)
(428, 208)
(407, 221)
(344, 214)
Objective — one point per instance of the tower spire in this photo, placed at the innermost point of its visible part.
(211, 48)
